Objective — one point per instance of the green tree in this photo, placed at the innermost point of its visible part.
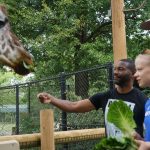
(68, 35)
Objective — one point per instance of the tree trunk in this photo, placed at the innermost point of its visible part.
(81, 84)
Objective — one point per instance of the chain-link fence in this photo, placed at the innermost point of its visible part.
(19, 107)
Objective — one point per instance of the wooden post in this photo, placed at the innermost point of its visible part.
(9, 145)
(118, 30)
(47, 129)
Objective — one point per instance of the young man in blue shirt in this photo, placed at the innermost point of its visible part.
(142, 75)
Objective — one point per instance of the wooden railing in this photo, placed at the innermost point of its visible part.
(48, 138)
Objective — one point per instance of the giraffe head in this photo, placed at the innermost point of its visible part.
(12, 53)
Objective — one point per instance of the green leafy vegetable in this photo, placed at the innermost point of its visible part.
(122, 117)
(113, 144)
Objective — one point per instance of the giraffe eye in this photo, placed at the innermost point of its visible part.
(2, 23)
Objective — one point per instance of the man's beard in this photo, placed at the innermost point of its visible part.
(122, 81)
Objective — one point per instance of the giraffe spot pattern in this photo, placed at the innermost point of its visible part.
(2, 38)
(3, 46)
(6, 52)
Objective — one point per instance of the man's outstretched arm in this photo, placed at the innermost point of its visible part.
(80, 106)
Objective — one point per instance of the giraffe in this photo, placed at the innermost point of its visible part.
(12, 53)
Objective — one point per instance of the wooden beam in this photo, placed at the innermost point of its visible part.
(32, 140)
(79, 135)
(47, 129)
(9, 145)
(118, 30)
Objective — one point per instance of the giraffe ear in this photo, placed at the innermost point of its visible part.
(4, 10)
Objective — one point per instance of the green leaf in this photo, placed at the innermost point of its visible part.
(113, 144)
(122, 117)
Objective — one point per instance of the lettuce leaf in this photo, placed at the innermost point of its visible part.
(113, 144)
(122, 117)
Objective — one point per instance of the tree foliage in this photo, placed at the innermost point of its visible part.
(68, 35)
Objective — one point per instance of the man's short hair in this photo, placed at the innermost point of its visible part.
(130, 64)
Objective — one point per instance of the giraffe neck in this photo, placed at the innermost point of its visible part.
(7, 48)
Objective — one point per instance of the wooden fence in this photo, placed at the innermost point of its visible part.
(47, 138)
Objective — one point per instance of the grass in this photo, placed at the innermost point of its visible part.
(6, 128)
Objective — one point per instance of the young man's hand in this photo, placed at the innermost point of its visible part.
(137, 136)
(143, 145)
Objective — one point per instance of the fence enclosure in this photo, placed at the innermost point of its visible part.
(71, 86)
(47, 138)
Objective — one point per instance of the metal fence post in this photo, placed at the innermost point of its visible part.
(111, 76)
(29, 104)
(63, 97)
(17, 109)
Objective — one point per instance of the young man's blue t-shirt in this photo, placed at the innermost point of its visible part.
(147, 121)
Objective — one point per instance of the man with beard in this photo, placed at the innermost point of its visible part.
(123, 78)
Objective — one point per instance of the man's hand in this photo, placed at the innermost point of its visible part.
(45, 98)
(143, 145)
